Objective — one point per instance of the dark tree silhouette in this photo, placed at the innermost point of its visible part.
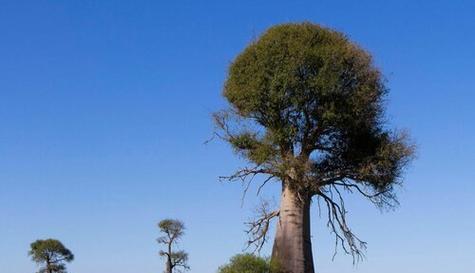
(51, 254)
(306, 110)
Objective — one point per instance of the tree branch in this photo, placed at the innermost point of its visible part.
(337, 223)
(258, 228)
(246, 176)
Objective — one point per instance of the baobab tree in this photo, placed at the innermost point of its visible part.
(306, 110)
(51, 254)
(173, 231)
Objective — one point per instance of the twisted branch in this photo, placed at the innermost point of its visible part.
(337, 223)
(258, 228)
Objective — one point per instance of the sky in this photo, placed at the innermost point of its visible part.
(105, 108)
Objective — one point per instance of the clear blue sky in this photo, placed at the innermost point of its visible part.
(105, 105)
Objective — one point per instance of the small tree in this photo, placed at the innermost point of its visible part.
(307, 110)
(51, 254)
(246, 263)
(173, 230)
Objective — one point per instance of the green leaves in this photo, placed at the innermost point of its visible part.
(172, 227)
(255, 149)
(310, 90)
(173, 230)
(306, 108)
(52, 253)
(246, 263)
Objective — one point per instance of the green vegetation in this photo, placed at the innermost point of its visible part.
(246, 263)
(173, 230)
(51, 254)
(306, 109)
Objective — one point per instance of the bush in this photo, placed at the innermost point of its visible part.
(246, 263)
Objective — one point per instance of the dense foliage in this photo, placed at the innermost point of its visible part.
(51, 254)
(307, 109)
(314, 101)
(246, 263)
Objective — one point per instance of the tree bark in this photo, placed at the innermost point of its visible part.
(292, 251)
(169, 268)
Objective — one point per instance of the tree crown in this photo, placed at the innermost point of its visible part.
(307, 108)
(173, 229)
(51, 252)
(246, 263)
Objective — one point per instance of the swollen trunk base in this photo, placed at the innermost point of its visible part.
(292, 251)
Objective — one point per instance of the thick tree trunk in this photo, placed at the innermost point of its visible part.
(292, 251)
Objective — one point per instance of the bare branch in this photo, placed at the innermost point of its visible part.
(246, 176)
(263, 184)
(258, 228)
(337, 223)
(384, 198)
(246, 173)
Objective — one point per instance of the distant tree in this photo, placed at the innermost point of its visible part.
(173, 231)
(51, 254)
(307, 110)
(246, 263)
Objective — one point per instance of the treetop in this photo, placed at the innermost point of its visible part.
(307, 107)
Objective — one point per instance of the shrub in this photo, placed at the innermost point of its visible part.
(246, 263)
